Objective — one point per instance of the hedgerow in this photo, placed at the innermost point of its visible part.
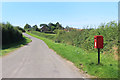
(10, 34)
(85, 38)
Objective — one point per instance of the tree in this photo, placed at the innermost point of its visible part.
(51, 26)
(58, 26)
(27, 26)
(19, 28)
(43, 25)
(35, 28)
(67, 28)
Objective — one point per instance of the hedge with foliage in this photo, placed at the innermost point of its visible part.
(20, 29)
(10, 34)
(85, 38)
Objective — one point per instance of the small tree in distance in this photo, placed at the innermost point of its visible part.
(27, 26)
(35, 28)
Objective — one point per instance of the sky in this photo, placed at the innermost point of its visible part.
(73, 14)
(61, 0)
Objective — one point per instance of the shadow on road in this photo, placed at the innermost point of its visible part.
(16, 44)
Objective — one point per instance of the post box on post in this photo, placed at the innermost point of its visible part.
(98, 43)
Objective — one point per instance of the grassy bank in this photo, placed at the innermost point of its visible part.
(46, 35)
(84, 61)
(11, 47)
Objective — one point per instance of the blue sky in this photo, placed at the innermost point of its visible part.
(73, 14)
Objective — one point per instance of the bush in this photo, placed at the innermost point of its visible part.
(50, 32)
(19, 28)
(10, 34)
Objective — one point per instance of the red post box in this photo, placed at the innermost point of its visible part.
(98, 41)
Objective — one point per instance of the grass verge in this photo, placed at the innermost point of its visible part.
(46, 35)
(9, 48)
(85, 61)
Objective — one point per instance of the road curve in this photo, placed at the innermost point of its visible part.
(36, 60)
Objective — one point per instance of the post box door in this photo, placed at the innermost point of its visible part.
(95, 42)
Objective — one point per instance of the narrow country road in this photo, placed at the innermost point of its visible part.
(36, 60)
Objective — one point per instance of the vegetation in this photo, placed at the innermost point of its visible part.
(83, 60)
(11, 47)
(20, 29)
(51, 27)
(27, 26)
(12, 38)
(35, 28)
(46, 28)
(85, 38)
(10, 34)
(46, 35)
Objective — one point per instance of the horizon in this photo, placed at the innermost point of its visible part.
(72, 14)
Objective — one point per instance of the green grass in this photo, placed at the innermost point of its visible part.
(9, 48)
(46, 35)
(85, 61)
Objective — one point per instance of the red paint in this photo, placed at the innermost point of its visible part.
(98, 41)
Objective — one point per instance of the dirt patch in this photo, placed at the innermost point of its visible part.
(104, 52)
(115, 52)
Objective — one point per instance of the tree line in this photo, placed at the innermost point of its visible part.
(51, 27)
